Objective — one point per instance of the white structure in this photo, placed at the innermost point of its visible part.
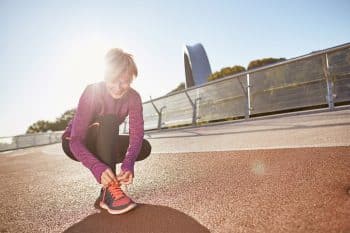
(197, 67)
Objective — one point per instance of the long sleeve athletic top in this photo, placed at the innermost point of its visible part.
(96, 101)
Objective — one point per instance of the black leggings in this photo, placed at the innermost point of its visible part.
(103, 140)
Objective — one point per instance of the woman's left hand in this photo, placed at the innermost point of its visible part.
(125, 177)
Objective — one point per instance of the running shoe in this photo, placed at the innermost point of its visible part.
(114, 200)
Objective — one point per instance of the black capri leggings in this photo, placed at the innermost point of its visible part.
(103, 140)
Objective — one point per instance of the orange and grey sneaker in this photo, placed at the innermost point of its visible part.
(114, 200)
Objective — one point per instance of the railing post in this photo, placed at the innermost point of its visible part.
(33, 139)
(248, 96)
(246, 91)
(15, 138)
(329, 81)
(159, 112)
(194, 107)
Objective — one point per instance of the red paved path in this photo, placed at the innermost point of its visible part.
(282, 190)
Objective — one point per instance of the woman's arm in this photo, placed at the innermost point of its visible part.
(83, 116)
(136, 132)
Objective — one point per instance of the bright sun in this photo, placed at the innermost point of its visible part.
(84, 60)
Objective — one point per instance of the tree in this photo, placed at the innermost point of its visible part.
(263, 62)
(226, 71)
(60, 123)
(181, 86)
(39, 126)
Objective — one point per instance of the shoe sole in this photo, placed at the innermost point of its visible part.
(130, 207)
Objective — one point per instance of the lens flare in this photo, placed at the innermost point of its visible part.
(258, 168)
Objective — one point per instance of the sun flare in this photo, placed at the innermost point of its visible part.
(84, 60)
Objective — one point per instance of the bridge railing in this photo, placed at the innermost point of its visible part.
(29, 140)
(317, 79)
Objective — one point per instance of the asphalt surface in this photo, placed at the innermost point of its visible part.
(243, 189)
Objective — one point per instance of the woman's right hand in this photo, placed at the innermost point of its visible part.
(107, 177)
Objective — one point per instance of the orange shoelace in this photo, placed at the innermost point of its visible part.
(115, 190)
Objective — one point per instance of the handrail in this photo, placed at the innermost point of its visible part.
(295, 59)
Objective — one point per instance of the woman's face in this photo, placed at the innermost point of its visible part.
(117, 87)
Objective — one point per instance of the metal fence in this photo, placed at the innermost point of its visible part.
(29, 140)
(317, 79)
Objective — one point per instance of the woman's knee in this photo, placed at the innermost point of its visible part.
(66, 149)
(147, 145)
(145, 150)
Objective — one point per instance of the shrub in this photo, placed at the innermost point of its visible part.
(263, 62)
(181, 86)
(226, 71)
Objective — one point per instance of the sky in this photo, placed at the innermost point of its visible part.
(50, 50)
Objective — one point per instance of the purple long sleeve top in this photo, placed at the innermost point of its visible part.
(96, 101)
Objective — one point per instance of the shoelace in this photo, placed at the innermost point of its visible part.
(115, 190)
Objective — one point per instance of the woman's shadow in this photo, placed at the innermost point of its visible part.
(144, 218)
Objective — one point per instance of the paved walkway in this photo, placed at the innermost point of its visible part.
(295, 130)
(196, 183)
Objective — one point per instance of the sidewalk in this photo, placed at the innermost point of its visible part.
(302, 130)
(196, 180)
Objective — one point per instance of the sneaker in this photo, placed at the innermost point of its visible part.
(114, 200)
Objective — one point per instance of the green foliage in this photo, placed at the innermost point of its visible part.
(44, 126)
(226, 71)
(181, 86)
(263, 62)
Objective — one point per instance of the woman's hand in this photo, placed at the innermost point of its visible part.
(125, 177)
(107, 177)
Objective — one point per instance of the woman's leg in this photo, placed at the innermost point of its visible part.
(104, 141)
(65, 147)
(123, 144)
(101, 139)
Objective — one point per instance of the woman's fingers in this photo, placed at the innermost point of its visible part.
(125, 177)
(111, 175)
(122, 177)
(120, 173)
(127, 182)
(131, 179)
(128, 179)
(107, 177)
(104, 181)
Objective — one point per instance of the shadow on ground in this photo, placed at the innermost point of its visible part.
(144, 218)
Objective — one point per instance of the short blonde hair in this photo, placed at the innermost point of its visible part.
(118, 62)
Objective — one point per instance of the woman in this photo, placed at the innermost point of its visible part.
(92, 136)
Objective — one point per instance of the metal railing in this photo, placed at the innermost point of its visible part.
(29, 140)
(320, 78)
